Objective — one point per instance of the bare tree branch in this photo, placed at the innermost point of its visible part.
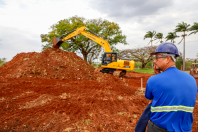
(139, 54)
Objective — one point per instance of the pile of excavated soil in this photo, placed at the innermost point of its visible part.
(51, 63)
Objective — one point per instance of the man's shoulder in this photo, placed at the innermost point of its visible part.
(172, 72)
(185, 74)
(155, 77)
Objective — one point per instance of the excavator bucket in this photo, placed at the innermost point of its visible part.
(57, 42)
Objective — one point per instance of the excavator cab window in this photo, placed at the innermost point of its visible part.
(109, 58)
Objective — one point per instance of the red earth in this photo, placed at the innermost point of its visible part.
(58, 91)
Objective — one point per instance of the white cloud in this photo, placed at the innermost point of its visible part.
(14, 41)
(23, 21)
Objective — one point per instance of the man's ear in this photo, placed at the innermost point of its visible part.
(168, 59)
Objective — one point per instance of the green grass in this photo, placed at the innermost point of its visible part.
(1, 64)
(145, 70)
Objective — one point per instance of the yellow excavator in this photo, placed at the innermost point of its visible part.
(110, 61)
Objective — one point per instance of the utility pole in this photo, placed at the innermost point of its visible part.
(184, 51)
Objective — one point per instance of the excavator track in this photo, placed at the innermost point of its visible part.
(119, 73)
(98, 69)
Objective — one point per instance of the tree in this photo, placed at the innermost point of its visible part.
(194, 28)
(109, 31)
(150, 34)
(2, 61)
(171, 36)
(159, 36)
(139, 54)
(183, 27)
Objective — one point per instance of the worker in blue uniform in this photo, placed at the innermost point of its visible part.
(172, 93)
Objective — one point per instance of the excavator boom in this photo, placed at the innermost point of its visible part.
(98, 40)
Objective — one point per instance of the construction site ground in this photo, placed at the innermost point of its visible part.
(57, 91)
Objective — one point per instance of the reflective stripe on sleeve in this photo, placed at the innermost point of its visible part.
(172, 108)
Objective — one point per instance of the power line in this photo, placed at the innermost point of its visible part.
(191, 41)
(187, 41)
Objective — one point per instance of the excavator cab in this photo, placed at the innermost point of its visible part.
(114, 65)
(109, 57)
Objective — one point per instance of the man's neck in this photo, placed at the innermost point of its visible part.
(168, 66)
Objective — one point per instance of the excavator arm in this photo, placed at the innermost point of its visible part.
(58, 41)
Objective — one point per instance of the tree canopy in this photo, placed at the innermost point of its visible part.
(90, 50)
(182, 27)
(150, 34)
(159, 36)
(171, 36)
(194, 28)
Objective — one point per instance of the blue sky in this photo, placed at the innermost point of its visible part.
(22, 21)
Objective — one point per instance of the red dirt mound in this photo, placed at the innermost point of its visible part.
(51, 63)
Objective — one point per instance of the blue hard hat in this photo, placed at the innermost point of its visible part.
(167, 47)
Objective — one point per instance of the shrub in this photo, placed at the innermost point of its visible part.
(138, 64)
(179, 62)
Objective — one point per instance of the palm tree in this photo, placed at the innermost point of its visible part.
(194, 28)
(183, 27)
(150, 34)
(159, 36)
(171, 36)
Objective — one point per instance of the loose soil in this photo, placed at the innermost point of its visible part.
(57, 91)
(51, 63)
